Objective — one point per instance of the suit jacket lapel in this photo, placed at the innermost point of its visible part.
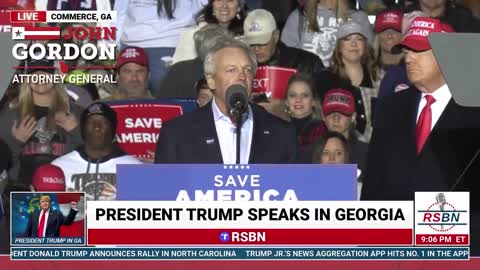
(448, 116)
(255, 136)
(36, 220)
(260, 136)
(411, 108)
(206, 132)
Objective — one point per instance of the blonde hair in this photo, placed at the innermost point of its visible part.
(339, 7)
(25, 105)
(44, 196)
(368, 62)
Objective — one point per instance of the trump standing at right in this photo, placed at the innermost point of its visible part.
(422, 139)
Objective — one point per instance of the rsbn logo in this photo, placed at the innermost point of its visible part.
(441, 216)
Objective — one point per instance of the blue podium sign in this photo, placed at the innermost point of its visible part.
(268, 182)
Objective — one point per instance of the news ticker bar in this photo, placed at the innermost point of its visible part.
(280, 253)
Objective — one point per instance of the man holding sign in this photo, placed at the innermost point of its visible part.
(261, 33)
(208, 134)
(277, 62)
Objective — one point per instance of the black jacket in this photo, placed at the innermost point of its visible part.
(192, 138)
(394, 171)
(290, 57)
(55, 220)
(179, 82)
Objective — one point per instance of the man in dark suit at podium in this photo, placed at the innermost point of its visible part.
(208, 134)
(422, 139)
(47, 222)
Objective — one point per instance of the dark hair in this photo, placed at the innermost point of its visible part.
(302, 77)
(236, 25)
(201, 84)
(319, 146)
(167, 7)
(260, 98)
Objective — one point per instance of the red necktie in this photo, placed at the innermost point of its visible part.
(41, 224)
(424, 124)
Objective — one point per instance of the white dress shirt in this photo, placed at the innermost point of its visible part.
(442, 96)
(227, 136)
(46, 221)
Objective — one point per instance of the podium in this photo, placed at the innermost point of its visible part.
(218, 182)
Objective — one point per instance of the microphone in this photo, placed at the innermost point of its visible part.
(236, 99)
(441, 203)
(441, 200)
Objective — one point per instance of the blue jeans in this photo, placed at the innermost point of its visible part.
(157, 67)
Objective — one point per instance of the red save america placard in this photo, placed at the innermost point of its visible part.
(272, 81)
(138, 125)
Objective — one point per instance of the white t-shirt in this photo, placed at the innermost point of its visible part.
(97, 180)
(138, 23)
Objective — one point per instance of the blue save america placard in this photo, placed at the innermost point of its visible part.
(202, 182)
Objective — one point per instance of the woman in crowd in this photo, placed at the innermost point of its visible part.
(226, 13)
(314, 26)
(302, 108)
(353, 60)
(353, 57)
(41, 124)
(155, 25)
(395, 72)
(332, 148)
(388, 29)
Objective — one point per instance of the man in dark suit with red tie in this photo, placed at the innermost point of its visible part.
(422, 139)
(208, 134)
(47, 222)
